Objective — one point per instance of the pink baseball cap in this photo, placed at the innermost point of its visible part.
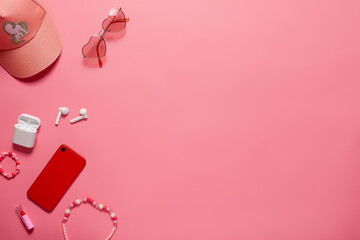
(29, 40)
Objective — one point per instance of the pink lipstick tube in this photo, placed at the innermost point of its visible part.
(24, 218)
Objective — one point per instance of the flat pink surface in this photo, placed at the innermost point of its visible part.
(209, 120)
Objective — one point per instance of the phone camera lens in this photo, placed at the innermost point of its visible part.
(63, 149)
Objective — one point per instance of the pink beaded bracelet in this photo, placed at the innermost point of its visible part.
(100, 207)
(17, 168)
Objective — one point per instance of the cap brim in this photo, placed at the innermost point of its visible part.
(35, 56)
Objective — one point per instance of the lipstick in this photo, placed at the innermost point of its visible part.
(24, 218)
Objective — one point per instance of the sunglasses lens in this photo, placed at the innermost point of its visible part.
(116, 24)
(95, 48)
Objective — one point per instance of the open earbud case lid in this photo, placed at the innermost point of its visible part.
(29, 121)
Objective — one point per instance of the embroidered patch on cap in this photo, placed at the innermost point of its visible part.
(16, 31)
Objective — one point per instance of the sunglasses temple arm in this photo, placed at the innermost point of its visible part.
(100, 63)
(98, 54)
(102, 33)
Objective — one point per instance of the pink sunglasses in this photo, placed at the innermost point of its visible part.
(96, 47)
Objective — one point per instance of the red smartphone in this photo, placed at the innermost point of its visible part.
(55, 179)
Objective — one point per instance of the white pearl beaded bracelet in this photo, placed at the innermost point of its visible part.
(100, 207)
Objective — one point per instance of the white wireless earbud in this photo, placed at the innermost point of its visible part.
(83, 113)
(62, 111)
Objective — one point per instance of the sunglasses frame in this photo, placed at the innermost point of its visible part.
(102, 33)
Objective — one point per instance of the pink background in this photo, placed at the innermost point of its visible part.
(209, 120)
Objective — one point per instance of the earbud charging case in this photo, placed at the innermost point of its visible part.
(25, 130)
